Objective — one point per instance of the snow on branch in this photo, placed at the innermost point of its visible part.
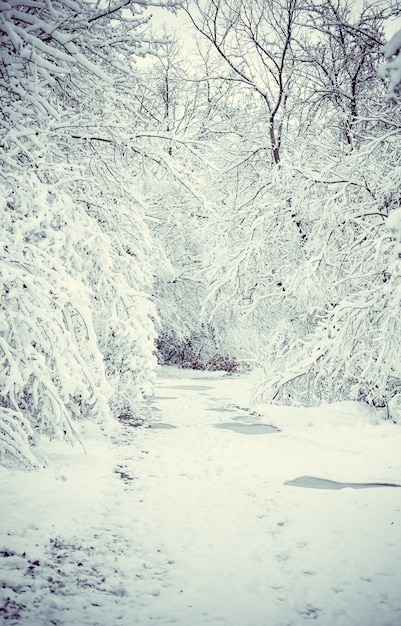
(77, 325)
(51, 369)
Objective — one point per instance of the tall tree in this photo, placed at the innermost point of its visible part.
(303, 244)
(255, 41)
(341, 53)
(183, 163)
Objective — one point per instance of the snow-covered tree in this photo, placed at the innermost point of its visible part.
(304, 279)
(339, 336)
(254, 41)
(175, 192)
(77, 329)
(340, 54)
(52, 371)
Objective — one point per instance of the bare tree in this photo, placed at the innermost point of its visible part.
(255, 39)
(340, 58)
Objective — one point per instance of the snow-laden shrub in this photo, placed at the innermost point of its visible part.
(110, 259)
(76, 338)
(51, 368)
(124, 322)
(339, 337)
(77, 323)
(353, 353)
(197, 352)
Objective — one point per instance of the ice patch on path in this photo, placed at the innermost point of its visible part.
(191, 387)
(248, 429)
(311, 482)
(157, 398)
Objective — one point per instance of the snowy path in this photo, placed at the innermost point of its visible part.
(194, 525)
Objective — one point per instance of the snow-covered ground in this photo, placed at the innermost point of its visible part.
(194, 525)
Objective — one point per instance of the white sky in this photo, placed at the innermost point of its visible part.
(162, 16)
(392, 26)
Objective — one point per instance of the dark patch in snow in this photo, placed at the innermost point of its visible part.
(161, 426)
(6, 553)
(120, 470)
(17, 576)
(310, 612)
(12, 610)
(249, 429)
(247, 410)
(311, 482)
(130, 420)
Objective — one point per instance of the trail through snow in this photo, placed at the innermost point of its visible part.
(188, 524)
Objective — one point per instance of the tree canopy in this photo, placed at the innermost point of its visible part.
(231, 202)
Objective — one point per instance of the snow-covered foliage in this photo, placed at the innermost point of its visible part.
(177, 193)
(240, 206)
(52, 370)
(77, 326)
(305, 279)
(335, 333)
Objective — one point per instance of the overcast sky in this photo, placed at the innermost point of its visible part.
(162, 16)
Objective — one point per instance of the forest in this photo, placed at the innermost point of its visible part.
(221, 195)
